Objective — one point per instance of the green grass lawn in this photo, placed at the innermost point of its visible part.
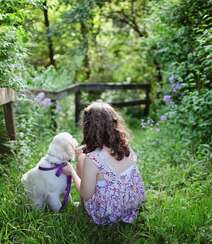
(176, 210)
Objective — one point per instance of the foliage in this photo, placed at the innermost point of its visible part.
(32, 124)
(90, 42)
(179, 41)
(180, 36)
(49, 78)
(13, 38)
(11, 50)
(194, 115)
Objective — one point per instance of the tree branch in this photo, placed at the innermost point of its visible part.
(131, 22)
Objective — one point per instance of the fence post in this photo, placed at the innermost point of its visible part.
(53, 114)
(77, 107)
(9, 121)
(146, 110)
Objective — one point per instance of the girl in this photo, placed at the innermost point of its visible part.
(107, 177)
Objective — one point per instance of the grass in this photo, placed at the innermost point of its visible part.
(176, 210)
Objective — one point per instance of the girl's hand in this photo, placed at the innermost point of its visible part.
(68, 169)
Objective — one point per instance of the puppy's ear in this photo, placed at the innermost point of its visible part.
(71, 152)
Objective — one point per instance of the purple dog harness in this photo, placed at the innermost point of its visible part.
(59, 169)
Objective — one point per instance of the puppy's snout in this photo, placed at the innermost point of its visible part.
(72, 151)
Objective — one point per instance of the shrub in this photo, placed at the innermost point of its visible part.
(194, 115)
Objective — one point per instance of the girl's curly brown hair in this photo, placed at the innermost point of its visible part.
(102, 126)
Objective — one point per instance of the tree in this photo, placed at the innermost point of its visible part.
(48, 34)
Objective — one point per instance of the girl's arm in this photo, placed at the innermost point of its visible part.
(86, 185)
(88, 182)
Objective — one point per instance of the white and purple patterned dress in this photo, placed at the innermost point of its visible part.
(116, 197)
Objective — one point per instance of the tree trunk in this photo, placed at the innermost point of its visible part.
(86, 64)
(49, 39)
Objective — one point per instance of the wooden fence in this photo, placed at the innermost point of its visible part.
(7, 97)
(95, 87)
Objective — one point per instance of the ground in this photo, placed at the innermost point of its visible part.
(176, 209)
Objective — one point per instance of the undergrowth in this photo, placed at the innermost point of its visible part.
(176, 209)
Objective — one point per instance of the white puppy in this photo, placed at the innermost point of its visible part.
(41, 182)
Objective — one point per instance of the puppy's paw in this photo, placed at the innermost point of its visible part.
(76, 204)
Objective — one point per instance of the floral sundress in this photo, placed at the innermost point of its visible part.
(117, 197)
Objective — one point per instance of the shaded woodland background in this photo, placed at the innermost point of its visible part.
(167, 44)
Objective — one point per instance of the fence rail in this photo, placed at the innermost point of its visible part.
(95, 87)
(7, 97)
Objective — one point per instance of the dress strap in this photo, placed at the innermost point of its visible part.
(95, 158)
(133, 155)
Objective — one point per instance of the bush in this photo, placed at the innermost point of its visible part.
(12, 56)
(193, 118)
(179, 36)
(194, 115)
